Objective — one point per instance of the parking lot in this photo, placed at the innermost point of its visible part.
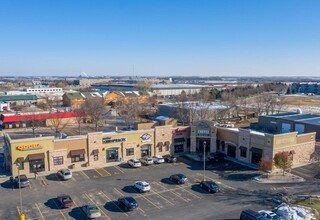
(103, 186)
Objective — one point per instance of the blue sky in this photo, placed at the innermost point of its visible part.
(160, 38)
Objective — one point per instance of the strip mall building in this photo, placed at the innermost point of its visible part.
(246, 146)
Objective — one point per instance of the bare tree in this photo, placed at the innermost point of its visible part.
(95, 108)
(181, 110)
(34, 120)
(57, 123)
(80, 116)
(143, 85)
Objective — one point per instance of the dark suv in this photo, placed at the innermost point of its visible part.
(170, 159)
(216, 157)
(178, 178)
(210, 186)
(128, 203)
(251, 215)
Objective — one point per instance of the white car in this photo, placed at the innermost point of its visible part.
(142, 186)
(134, 163)
(158, 159)
(91, 211)
(146, 161)
(65, 174)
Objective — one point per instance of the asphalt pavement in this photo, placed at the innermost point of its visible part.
(166, 200)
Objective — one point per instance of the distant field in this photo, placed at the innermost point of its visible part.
(302, 100)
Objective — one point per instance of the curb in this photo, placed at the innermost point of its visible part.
(295, 180)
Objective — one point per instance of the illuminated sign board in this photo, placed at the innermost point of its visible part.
(29, 147)
(145, 137)
(115, 140)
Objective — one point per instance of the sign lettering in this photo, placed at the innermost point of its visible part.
(29, 147)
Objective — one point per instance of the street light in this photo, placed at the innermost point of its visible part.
(22, 216)
(204, 160)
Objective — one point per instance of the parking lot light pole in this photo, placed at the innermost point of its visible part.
(22, 216)
(204, 160)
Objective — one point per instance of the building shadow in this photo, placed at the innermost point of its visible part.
(8, 185)
(126, 166)
(241, 176)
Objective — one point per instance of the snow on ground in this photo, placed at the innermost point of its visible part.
(294, 212)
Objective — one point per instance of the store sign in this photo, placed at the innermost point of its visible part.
(29, 147)
(115, 140)
(145, 137)
(179, 131)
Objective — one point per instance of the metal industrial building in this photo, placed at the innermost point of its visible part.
(289, 122)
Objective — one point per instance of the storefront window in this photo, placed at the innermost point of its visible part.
(130, 151)
(160, 148)
(95, 157)
(243, 151)
(77, 158)
(112, 155)
(167, 147)
(58, 160)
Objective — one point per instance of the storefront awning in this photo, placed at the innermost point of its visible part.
(160, 144)
(242, 148)
(36, 156)
(19, 160)
(179, 140)
(77, 152)
(256, 150)
(96, 151)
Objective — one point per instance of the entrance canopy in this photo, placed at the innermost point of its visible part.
(77, 152)
(36, 156)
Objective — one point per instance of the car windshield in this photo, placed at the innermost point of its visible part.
(149, 159)
(93, 209)
(66, 199)
(136, 161)
(23, 178)
(181, 176)
(67, 173)
(146, 185)
(131, 200)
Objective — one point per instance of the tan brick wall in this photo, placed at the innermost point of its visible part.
(59, 153)
(95, 143)
(302, 153)
(144, 126)
(163, 134)
(128, 145)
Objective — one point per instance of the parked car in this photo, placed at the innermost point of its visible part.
(210, 186)
(91, 211)
(24, 181)
(146, 161)
(128, 203)
(178, 178)
(216, 157)
(157, 159)
(64, 174)
(134, 163)
(142, 186)
(65, 201)
(270, 215)
(170, 159)
(249, 214)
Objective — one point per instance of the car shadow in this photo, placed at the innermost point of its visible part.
(167, 181)
(77, 213)
(129, 189)
(52, 204)
(196, 188)
(53, 177)
(113, 207)
(126, 166)
(8, 185)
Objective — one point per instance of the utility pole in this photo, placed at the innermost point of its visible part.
(204, 160)
(22, 216)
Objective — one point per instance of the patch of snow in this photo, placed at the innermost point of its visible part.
(294, 212)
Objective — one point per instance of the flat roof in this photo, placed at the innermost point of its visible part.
(158, 86)
(296, 117)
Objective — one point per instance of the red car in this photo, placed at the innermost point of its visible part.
(65, 201)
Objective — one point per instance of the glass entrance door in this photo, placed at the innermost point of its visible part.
(145, 150)
(112, 155)
(36, 165)
(203, 143)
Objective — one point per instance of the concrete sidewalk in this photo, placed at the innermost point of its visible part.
(278, 177)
